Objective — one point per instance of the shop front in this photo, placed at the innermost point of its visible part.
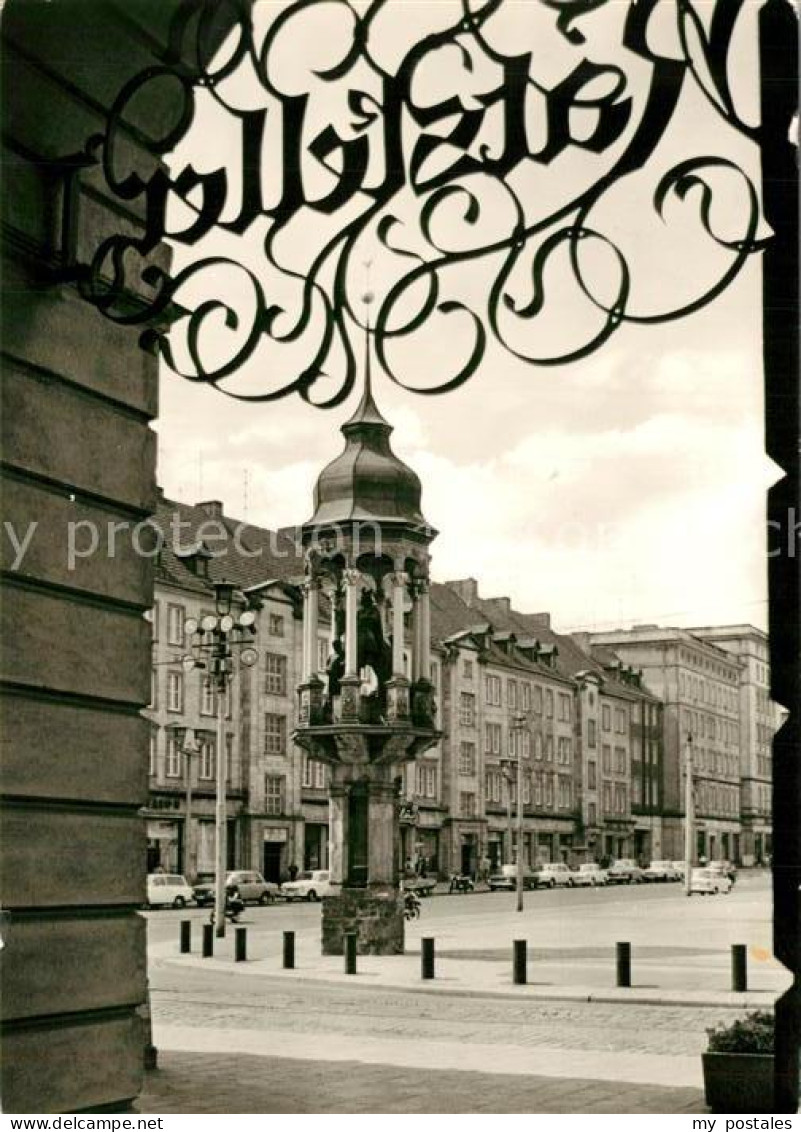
(164, 846)
(275, 861)
(315, 845)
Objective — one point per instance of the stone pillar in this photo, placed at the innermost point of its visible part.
(338, 832)
(384, 833)
(399, 582)
(352, 578)
(350, 698)
(424, 631)
(311, 613)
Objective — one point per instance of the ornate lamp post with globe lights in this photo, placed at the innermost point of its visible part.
(212, 642)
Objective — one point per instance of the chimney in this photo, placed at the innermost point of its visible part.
(466, 588)
(541, 620)
(212, 507)
(502, 605)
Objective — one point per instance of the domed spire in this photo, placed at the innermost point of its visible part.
(367, 481)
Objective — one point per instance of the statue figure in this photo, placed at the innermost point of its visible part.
(372, 650)
(335, 669)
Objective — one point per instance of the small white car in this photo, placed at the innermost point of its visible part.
(552, 874)
(590, 873)
(168, 890)
(309, 886)
(709, 882)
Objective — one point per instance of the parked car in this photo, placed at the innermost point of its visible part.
(590, 873)
(309, 886)
(625, 871)
(709, 882)
(554, 873)
(250, 886)
(505, 879)
(168, 889)
(724, 867)
(661, 871)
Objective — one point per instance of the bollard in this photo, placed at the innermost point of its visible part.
(350, 953)
(519, 973)
(623, 964)
(186, 936)
(240, 945)
(208, 940)
(427, 958)
(289, 951)
(739, 967)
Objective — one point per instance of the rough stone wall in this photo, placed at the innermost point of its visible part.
(375, 914)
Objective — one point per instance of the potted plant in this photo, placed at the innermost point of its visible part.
(738, 1065)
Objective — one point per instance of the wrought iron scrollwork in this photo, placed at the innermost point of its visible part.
(435, 187)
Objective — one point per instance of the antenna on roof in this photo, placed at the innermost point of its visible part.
(367, 299)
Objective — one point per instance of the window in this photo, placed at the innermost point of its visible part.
(273, 794)
(592, 814)
(607, 798)
(606, 717)
(275, 625)
(526, 791)
(207, 697)
(154, 747)
(620, 760)
(154, 689)
(467, 709)
(275, 674)
(313, 774)
(548, 703)
(564, 707)
(425, 780)
(511, 693)
(494, 786)
(494, 690)
(154, 620)
(525, 744)
(172, 766)
(620, 721)
(538, 789)
(591, 779)
(525, 690)
(590, 732)
(175, 625)
(467, 805)
(538, 699)
(467, 669)
(537, 746)
(492, 739)
(208, 768)
(467, 758)
(175, 691)
(274, 734)
(549, 793)
(549, 748)
(606, 759)
(564, 752)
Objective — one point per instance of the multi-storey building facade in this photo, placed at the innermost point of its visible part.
(699, 685)
(759, 720)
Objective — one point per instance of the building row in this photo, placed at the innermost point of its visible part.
(601, 723)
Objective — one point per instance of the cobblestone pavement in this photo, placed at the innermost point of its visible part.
(195, 998)
(216, 1083)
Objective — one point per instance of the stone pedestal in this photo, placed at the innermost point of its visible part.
(310, 695)
(375, 913)
(398, 700)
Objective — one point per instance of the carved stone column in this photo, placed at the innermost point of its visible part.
(350, 681)
(310, 691)
(398, 687)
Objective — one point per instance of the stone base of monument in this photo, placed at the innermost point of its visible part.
(375, 913)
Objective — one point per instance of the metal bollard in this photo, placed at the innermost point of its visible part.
(186, 936)
(208, 941)
(427, 958)
(350, 953)
(623, 951)
(289, 951)
(519, 972)
(739, 967)
(240, 945)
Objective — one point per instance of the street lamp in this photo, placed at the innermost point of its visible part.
(212, 642)
(519, 722)
(186, 742)
(689, 816)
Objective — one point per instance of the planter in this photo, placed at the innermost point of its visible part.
(738, 1082)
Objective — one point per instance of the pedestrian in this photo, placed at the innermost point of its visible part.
(293, 871)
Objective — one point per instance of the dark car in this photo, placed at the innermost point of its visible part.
(505, 879)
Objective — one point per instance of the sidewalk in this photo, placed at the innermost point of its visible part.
(238, 1083)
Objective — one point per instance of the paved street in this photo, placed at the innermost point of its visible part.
(313, 1027)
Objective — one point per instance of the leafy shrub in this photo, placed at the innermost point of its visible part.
(752, 1034)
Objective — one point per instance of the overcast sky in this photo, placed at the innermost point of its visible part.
(628, 487)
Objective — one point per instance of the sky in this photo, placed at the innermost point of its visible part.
(624, 488)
